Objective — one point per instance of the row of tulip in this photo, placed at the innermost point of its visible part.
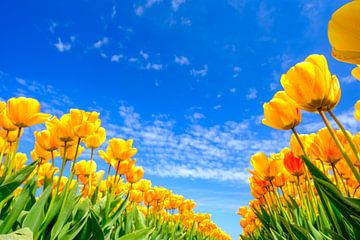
(310, 190)
(37, 200)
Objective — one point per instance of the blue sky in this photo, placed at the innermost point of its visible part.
(185, 78)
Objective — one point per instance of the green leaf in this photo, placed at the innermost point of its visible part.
(12, 216)
(15, 180)
(21, 234)
(95, 227)
(65, 212)
(36, 214)
(140, 222)
(136, 235)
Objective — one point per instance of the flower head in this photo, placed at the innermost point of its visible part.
(25, 112)
(344, 33)
(311, 85)
(281, 112)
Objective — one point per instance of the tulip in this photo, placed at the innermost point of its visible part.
(293, 165)
(356, 72)
(25, 112)
(5, 122)
(281, 112)
(2, 106)
(20, 160)
(344, 33)
(311, 85)
(324, 147)
(134, 174)
(95, 139)
(357, 110)
(47, 140)
(266, 168)
(119, 149)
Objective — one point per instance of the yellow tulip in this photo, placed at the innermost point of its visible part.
(344, 33)
(306, 140)
(266, 168)
(119, 149)
(5, 122)
(2, 106)
(10, 136)
(25, 112)
(41, 154)
(356, 72)
(46, 170)
(281, 112)
(311, 85)
(47, 140)
(325, 148)
(96, 139)
(71, 152)
(84, 123)
(20, 160)
(134, 174)
(357, 110)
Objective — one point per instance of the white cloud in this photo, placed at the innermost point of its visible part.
(238, 5)
(185, 21)
(200, 72)
(265, 16)
(139, 10)
(53, 25)
(348, 79)
(233, 90)
(182, 171)
(236, 70)
(217, 107)
(252, 94)
(114, 12)
(273, 86)
(62, 46)
(144, 54)
(133, 59)
(199, 152)
(21, 81)
(182, 60)
(116, 57)
(175, 4)
(154, 66)
(101, 42)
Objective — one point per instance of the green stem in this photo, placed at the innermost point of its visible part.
(347, 135)
(336, 139)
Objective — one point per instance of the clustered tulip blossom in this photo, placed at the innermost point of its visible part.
(309, 86)
(67, 137)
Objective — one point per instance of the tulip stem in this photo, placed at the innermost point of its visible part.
(307, 177)
(334, 172)
(347, 135)
(299, 140)
(336, 139)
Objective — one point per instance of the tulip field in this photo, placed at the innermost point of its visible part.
(38, 202)
(310, 190)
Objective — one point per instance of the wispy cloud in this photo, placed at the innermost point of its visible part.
(101, 42)
(348, 79)
(252, 94)
(62, 46)
(139, 10)
(175, 4)
(200, 72)
(116, 57)
(153, 66)
(182, 60)
(265, 16)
